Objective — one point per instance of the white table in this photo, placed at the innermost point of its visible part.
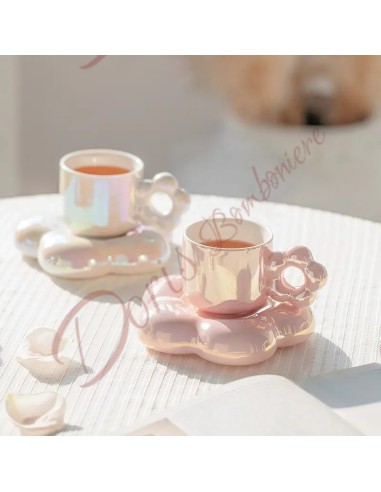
(347, 313)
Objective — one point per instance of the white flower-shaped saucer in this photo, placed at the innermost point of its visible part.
(169, 323)
(62, 254)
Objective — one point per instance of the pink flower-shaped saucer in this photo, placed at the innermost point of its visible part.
(62, 254)
(170, 324)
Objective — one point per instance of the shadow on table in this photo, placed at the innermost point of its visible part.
(70, 428)
(315, 356)
(318, 355)
(343, 389)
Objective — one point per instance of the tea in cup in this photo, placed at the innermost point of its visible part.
(234, 271)
(105, 195)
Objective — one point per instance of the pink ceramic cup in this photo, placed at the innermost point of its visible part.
(237, 281)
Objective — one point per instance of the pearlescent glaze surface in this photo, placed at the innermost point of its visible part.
(96, 205)
(171, 324)
(63, 254)
(78, 257)
(236, 281)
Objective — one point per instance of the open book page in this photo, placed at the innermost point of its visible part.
(354, 394)
(258, 405)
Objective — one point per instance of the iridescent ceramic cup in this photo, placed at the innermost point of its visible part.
(237, 281)
(111, 205)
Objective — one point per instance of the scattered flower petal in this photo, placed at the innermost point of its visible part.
(39, 414)
(36, 355)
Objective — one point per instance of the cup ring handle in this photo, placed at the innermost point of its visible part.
(160, 201)
(277, 287)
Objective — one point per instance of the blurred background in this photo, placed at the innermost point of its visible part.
(180, 114)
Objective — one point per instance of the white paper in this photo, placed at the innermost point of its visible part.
(354, 394)
(259, 405)
(162, 427)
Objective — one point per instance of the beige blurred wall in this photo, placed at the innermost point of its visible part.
(152, 106)
(146, 105)
(9, 126)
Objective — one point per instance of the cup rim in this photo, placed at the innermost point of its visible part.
(226, 220)
(139, 165)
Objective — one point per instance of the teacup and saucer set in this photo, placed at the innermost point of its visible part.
(110, 222)
(232, 303)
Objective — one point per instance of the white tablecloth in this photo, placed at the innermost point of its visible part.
(347, 314)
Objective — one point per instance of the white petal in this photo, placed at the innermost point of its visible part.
(40, 341)
(40, 414)
(36, 355)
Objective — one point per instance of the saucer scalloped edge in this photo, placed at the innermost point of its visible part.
(62, 254)
(170, 324)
